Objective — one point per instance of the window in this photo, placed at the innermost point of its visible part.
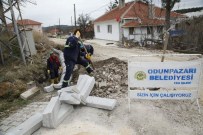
(109, 28)
(131, 31)
(149, 29)
(159, 29)
(98, 28)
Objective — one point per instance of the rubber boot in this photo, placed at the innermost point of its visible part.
(89, 70)
(65, 84)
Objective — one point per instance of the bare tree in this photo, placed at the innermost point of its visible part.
(84, 21)
(2, 16)
(168, 4)
(112, 5)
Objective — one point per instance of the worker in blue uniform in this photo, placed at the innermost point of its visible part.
(86, 49)
(86, 52)
(72, 57)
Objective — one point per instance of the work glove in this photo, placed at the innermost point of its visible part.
(88, 56)
(48, 71)
(60, 70)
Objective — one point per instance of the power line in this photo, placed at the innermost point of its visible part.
(75, 16)
(97, 9)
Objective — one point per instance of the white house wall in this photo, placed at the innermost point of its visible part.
(36, 28)
(140, 34)
(103, 34)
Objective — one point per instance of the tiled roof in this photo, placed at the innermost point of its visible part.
(140, 9)
(145, 22)
(26, 22)
(137, 10)
(160, 12)
(114, 14)
(131, 24)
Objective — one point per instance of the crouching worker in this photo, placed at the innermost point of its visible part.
(86, 52)
(72, 57)
(53, 67)
(88, 48)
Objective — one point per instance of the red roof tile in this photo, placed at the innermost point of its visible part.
(26, 22)
(131, 24)
(160, 12)
(114, 14)
(140, 9)
(145, 22)
(137, 10)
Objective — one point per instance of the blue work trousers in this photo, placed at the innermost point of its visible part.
(70, 66)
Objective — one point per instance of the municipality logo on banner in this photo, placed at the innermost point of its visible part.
(140, 75)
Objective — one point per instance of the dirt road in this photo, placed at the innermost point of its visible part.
(160, 117)
(103, 51)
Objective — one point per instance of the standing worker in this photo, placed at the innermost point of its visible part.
(53, 66)
(72, 57)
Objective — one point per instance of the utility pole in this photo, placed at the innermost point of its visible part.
(59, 23)
(17, 32)
(71, 21)
(75, 16)
(59, 28)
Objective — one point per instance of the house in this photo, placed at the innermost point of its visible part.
(53, 31)
(135, 20)
(28, 24)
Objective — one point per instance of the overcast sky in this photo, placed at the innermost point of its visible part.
(48, 12)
